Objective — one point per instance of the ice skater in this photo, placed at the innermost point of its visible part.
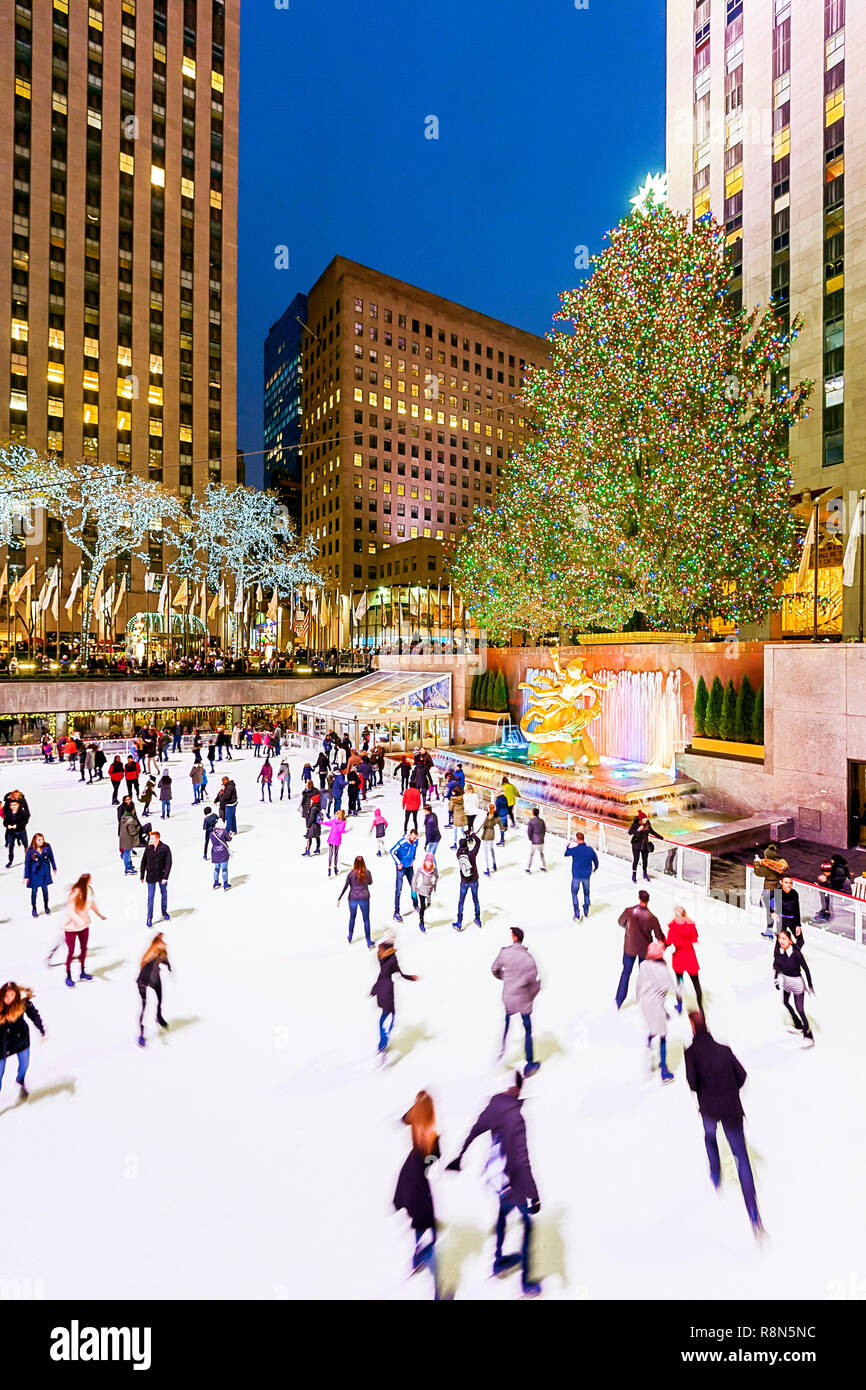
(682, 935)
(509, 1173)
(424, 881)
(789, 970)
(266, 777)
(336, 829)
(164, 789)
(79, 906)
(153, 959)
(716, 1077)
(641, 926)
(38, 864)
(536, 830)
(284, 777)
(357, 885)
(413, 1193)
(467, 864)
(517, 970)
(383, 987)
(654, 980)
(155, 869)
(220, 854)
(584, 863)
(488, 837)
(403, 853)
(378, 827)
(641, 832)
(16, 1007)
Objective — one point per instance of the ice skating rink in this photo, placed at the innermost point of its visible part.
(252, 1151)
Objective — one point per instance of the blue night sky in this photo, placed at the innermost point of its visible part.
(549, 119)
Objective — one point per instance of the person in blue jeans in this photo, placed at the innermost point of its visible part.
(584, 862)
(16, 1007)
(164, 789)
(403, 854)
(227, 798)
(508, 1170)
(220, 854)
(357, 884)
(467, 863)
(155, 869)
(717, 1077)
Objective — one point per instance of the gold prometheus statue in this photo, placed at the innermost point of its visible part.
(557, 703)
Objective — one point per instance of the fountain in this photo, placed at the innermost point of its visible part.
(638, 726)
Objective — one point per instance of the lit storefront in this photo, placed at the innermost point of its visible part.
(402, 708)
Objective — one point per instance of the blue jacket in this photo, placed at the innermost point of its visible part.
(403, 853)
(460, 775)
(501, 806)
(583, 860)
(38, 864)
(338, 786)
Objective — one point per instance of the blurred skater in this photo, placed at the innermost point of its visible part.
(716, 1077)
(413, 1193)
(383, 988)
(16, 1007)
(153, 959)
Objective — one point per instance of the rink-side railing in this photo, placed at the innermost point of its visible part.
(840, 914)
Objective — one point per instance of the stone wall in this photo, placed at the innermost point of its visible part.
(56, 696)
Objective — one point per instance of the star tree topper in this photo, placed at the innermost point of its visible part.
(653, 193)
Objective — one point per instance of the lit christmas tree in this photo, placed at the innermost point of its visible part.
(659, 480)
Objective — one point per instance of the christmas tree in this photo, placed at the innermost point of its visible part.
(702, 696)
(659, 478)
(713, 721)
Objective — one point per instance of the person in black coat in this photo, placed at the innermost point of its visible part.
(16, 1007)
(15, 818)
(509, 1169)
(413, 1193)
(834, 874)
(791, 973)
(786, 916)
(641, 832)
(210, 820)
(154, 957)
(716, 1077)
(155, 869)
(383, 988)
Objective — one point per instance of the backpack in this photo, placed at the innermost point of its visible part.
(465, 865)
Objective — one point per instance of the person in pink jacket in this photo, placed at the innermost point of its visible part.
(336, 829)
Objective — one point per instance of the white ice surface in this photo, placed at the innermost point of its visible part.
(252, 1151)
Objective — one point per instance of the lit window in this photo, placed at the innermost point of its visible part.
(155, 427)
(373, 397)
(55, 440)
(55, 372)
(782, 143)
(733, 181)
(94, 18)
(187, 188)
(127, 164)
(124, 420)
(357, 460)
(834, 106)
(124, 357)
(159, 52)
(58, 103)
(188, 66)
(18, 400)
(154, 395)
(186, 434)
(90, 381)
(156, 364)
(19, 330)
(94, 118)
(216, 81)
(359, 395)
(22, 88)
(90, 414)
(124, 387)
(157, 176)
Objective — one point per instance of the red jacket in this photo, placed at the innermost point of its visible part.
(411, 799)
(682, 936)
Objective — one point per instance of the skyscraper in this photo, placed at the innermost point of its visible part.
(118, 244)
(411, 408)
(284, 378)
(763, 132)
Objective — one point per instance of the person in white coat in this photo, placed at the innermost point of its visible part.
(471, 806)
(517, 970)
(654, 981)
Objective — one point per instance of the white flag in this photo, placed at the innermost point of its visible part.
(215, 603)
(273, 605)
(850, 558)
(26, 580)
(122, 588)
(108, 597)
(259, 595)
(55, 606)
(363, 603)
(163, 595)
(202, 603)
(239, 601)
(151, 582)
(4, 579)
(221, 596)
(76, 585)
(182, 596)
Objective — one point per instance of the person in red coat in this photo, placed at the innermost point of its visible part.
(411, 806)
(682, 935)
